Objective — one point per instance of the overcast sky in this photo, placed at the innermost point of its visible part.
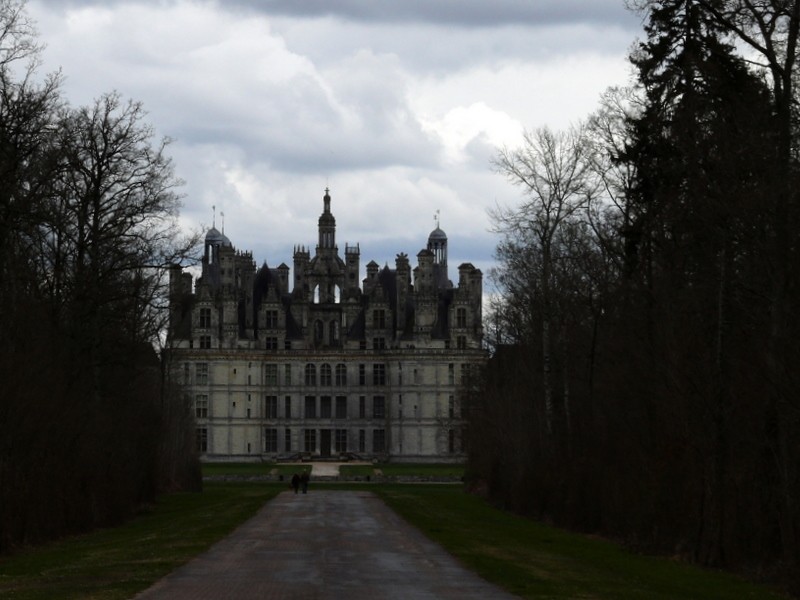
(397, 106)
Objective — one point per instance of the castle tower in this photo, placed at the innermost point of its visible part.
(352, 258)
(301, 260)
(327, 227)
(437, 244)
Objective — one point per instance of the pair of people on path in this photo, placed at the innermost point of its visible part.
(300, 481)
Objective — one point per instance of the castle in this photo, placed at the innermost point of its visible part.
(329, 366)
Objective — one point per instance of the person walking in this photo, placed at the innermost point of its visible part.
(295, 482)
(304, 481)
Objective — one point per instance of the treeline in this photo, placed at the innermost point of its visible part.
(645, 381)
(90, 428)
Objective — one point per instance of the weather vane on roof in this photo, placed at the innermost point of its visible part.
(436, 218)
(222, 214)
(214, 216)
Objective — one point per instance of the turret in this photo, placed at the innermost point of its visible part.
(327, 227)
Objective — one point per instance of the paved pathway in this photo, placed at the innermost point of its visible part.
(326, 544)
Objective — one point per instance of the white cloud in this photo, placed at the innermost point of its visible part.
(461, 125)
(398, 113)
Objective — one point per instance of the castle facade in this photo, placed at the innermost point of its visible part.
(315, 361)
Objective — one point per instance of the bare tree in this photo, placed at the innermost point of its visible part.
(553, 170)
(88, 230)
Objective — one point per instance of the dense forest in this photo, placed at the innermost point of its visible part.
(644, 383)
(90, 428)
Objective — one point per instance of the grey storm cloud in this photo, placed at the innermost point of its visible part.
(471, 13)
(461, 13)
(397, 106)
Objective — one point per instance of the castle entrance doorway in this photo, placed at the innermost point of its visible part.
(325, 443)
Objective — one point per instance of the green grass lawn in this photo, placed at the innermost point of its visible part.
(533, 560)
(401, 469)
(117, 563)
(530, 559)
(252, 469)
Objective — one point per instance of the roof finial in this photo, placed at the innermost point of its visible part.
(436, 218)
(214, 216)
(222, 214)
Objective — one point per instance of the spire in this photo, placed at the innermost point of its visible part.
(327, 200)
(327, 225)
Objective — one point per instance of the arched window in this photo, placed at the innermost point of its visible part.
(341, 374)
(316, 295)
(311, 374)
(325, 375)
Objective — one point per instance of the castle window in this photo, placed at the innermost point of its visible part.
(287, 374)
(451, 407)
(362, 440)
(205, 342)
(461, 317)
(270, 440)
(451, 441)
(201, 406)
(271, 407)
(461, 342)
(464, 373)
(271, 343)
(271, 374)
(379, 343)
(201, 374)
(341, 440)
(318, 331)
(362, 407)
(287, 440)
(379, 374)
(378, 441)
(341, 374)
(362, 374)
(311, 375)
(287, 407)
(311, 407)
(205, 318)
(451, 374)
(325, 375)
(379, 319)
(333, 331)
(309, 440)
(378, 407)
(341, 407)
(325, 407)
(271, 319)
(201, 437)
